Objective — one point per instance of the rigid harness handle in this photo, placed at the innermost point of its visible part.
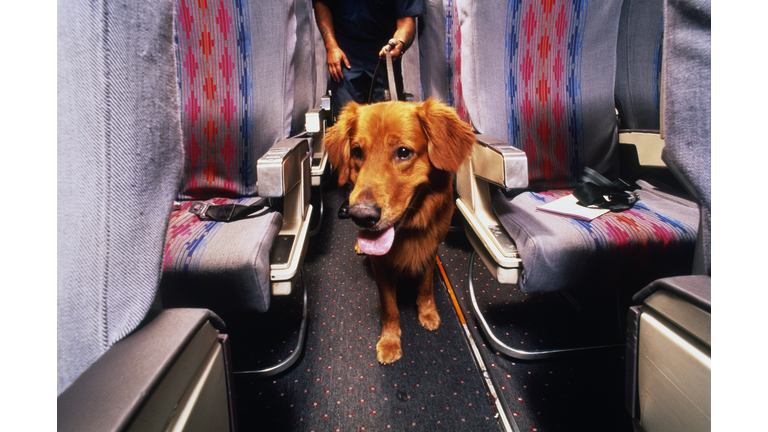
(390, 86)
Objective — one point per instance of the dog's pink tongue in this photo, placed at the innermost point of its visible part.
(375, 242)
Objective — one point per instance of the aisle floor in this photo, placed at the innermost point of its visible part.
(337, 384)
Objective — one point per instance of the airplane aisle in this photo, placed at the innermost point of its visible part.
(337, 383)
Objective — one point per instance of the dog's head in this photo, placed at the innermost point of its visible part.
(387, 150)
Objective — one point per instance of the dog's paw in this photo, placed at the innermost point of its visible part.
(430, 320)
(388, 350)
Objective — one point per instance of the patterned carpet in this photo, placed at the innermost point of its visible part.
(573, 393)
(337, 384)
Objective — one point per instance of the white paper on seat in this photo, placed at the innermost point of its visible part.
(568, 206)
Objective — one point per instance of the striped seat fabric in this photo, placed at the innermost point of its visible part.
(542, 75)
(236, 102)
(233, 107)
(655, 237)
(119, 161)
(219, 264)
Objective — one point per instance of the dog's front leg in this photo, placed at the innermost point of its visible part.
(425, 299)
(388, 349)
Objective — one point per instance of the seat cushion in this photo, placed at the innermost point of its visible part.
(654, 239)
(219, 265)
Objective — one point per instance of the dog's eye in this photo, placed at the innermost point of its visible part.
(404, 153)
(357, 153)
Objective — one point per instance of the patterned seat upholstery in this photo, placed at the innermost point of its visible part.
(655, 237)
(236, 66)
(551, 94)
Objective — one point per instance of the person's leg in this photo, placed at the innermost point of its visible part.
(353, 87)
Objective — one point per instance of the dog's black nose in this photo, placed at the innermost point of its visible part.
(365, 215)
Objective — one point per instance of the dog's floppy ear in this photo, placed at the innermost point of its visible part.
(337, 141)
(450, 139)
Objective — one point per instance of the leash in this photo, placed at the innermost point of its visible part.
(390, 79)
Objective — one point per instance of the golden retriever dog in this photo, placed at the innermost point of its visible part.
(399, 157)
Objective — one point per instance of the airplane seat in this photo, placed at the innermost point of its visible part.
(669, 346)
(552, 96)
(238, 72)
(638, 92)
(120, 364)
(439, 40)
(313, 112)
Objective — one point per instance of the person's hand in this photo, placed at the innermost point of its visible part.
(336, 58)
(396, 51)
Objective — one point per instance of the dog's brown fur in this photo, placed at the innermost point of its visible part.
(415, 194)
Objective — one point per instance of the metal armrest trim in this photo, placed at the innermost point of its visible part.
(279, 170)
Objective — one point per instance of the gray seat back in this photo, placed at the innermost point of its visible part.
(638, 69)
(687, 110)
(119, 159)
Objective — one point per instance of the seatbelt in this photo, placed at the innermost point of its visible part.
(390, 78)
(226, 212)
(596, 190)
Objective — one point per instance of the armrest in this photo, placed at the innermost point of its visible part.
(316, 121)
(682, 306)
(492, 161)
(499, 163)
(669, 355)
(173, 365)
(284, 171)
(685, 301)
(280, 169)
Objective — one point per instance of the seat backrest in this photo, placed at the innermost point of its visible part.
(440, 55)
(236, 74)
(638, 69)
(119, 160)
(541, 75)
(309, 81)
(687, 110)
(432, 51)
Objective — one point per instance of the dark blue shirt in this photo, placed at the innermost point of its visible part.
(362, 27)
(369, 20)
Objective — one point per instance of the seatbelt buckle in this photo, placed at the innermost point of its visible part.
(200, 208)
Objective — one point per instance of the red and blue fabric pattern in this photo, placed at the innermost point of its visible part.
(216, 98)
(219, 265)
(543, 48)
(643, 243)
